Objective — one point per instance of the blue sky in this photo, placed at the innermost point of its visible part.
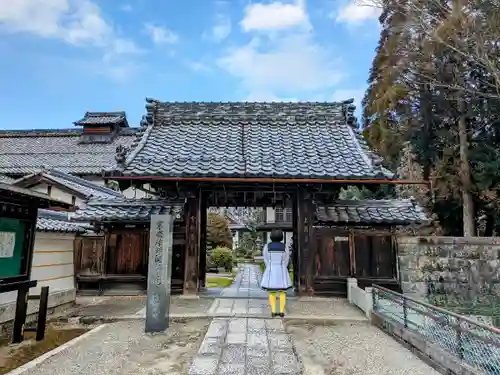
(61, 58)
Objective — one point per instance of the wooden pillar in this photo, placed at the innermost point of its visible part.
(295, 245)
(203, 241)
(352, 254)
(305, 218)
(193, 215)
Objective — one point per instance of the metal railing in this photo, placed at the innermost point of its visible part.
(476, 344)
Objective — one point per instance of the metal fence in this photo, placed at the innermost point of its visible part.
(475, 343)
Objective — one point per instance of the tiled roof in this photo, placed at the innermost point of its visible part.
(122, 209)
(28, 151)
(43, 200)
(391, 211)
(78, 185)
(103, 118)
(295, 140)
(53, 221)
(6, 179)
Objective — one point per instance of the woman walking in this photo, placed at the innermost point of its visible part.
(276, 278)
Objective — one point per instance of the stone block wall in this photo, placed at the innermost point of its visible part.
(470, 261)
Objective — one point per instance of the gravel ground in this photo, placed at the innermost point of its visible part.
(106, 306)
(190, 306)
(327, 307)
(353, 349)
(124, 349)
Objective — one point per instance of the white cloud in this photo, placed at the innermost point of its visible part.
(357, 11)
(76, 22)
(290, 65)
(275, 16)
(161, 35)
(126, 8)
(198, 66)
(222, 28)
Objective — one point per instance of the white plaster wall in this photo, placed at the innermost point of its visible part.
(236, 239)
(131, 192)
(52, 266)
(56, 193)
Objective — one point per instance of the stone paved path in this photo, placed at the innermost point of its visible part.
(246, 346)
(246, 284)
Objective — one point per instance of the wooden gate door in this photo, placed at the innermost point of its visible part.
(332, 262)
(127, 253)
(178, 257)
(375, 258)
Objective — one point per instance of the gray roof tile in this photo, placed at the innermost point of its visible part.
(6, 179)
(122, 209)
(302, 140)
(80, 186)
(103, 118)
(390, 211)
(54, 221)
(24, 152)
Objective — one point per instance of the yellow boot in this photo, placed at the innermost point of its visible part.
(282, 302)
(272, 303)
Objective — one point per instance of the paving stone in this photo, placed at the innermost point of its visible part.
(211, 346)
(204, 366)
(224, 310)
(279, 341)
(251, 370)
(256, 324)
(264, 361)
(258, 351)
(217, 330)
(259, 340)
(275, 325)
(233, 354)
(237, 326)
(236, 338)
(231, 369)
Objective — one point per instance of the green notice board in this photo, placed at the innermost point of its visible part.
(11, 247)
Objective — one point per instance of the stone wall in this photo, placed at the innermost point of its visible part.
(470, 266)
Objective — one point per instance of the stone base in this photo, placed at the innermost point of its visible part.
(59, 301)
(189, 296)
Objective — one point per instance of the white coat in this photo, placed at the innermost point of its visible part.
(276, 276)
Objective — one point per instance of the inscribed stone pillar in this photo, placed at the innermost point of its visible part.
(192, 212)
(159, 272)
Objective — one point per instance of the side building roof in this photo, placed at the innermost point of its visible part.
(352, 212)
(124, 209)
(28, 151)
(54, 221)
(270, 140)
(78, 186)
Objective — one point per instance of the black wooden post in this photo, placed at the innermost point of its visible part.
(20, 315)
(405, 312)
(42, 313)
(203, 241)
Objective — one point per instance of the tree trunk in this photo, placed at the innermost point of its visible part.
(465, 177)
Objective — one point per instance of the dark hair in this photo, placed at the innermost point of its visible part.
(276, 235)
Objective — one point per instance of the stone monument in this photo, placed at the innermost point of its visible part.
(159, 272)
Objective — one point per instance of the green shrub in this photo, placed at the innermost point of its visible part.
(240, 252)
(222, 257)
